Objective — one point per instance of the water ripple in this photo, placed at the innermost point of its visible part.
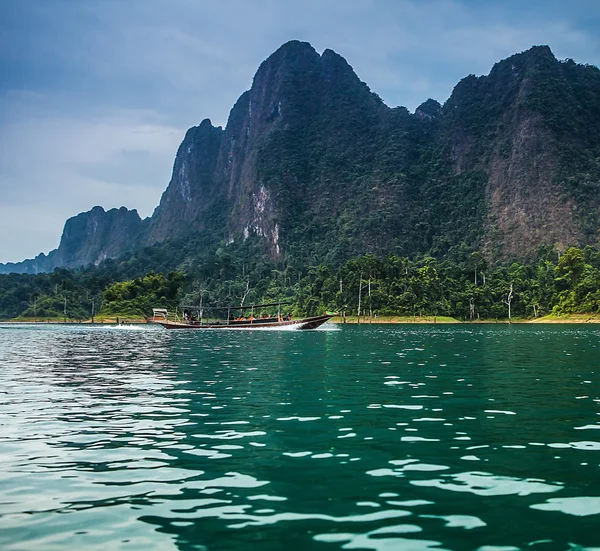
(135, 437)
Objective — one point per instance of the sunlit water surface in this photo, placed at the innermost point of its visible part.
(372, 437)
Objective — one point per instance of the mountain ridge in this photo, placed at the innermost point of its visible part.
(316, 165)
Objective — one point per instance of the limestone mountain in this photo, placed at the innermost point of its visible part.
(193, 185)
(89, 238)
(319, 169)
(296, 160)
(285, 135)
(315, 163)
(531, 127)
(94, 236)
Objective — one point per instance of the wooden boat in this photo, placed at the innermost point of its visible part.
(189, 321)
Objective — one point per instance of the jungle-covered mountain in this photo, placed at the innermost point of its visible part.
(316, 167)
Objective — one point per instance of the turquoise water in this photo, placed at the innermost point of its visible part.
(372, 437)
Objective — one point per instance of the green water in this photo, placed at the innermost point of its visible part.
(371, 437)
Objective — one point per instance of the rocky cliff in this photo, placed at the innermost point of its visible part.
(193, 186)
(320, 169)
(315, 163)
(94, 236)
(89, 238)
(284, 136)
(519, 126)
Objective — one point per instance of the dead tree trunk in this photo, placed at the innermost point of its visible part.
(370, 305)
(509, 300)
(359, 296)
(245, 293)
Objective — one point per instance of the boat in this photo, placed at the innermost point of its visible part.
(162, 317)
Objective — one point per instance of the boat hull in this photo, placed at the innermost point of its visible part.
(302, 324)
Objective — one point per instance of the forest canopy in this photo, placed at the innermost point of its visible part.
(366, 285)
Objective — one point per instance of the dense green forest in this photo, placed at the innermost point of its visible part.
(469, 289)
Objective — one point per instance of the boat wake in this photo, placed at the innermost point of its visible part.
(125, 327)
(258, 328)
(286, 328)
(329, 327)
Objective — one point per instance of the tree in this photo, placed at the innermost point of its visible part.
(571, 265)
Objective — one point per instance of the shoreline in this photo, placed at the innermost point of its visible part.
(350, 320)
(106, 321)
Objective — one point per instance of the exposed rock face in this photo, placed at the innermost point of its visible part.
(314, 163)
(525, 208)
(94, 236)
(192, 185)
(89, 238)
(515, 126)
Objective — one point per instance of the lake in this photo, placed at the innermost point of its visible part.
(380, 437)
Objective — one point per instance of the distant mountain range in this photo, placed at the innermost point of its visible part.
(319, 168)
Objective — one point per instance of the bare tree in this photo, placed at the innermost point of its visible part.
(509, 300)
(245, 293)
(359, 295)
(370, 304)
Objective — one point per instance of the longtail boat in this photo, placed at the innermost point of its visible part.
(162, 317)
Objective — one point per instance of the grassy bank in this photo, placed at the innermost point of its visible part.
(568, 318)
(110, 319)
(394, 319)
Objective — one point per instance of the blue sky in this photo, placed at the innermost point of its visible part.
(96, 95)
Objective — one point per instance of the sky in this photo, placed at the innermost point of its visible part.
(96, 95)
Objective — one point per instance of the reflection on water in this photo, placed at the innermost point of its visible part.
(371, 437)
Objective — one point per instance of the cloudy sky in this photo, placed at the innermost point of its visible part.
(96, 95)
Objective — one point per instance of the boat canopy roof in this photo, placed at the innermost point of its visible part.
(235, 307)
